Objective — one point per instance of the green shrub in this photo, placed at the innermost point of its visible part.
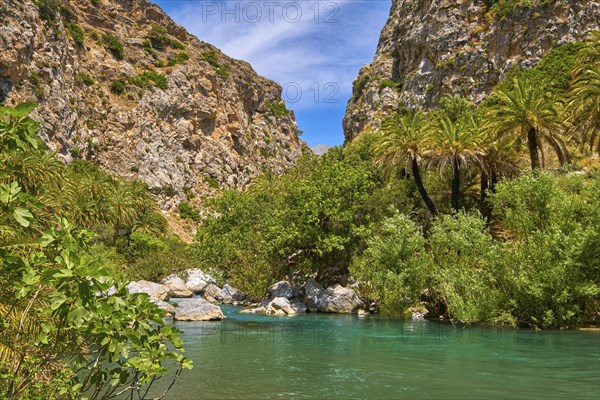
(83, 78)
(76, 32)
(135, 169)
(212, 182)
(47, 9)
(152, 258)
(117, 87)
(148, 79)
(359, 85)
(35, 78)
(158, 37)
(277, 109)
(147, 46)
(394, 264)
(507, 8)
(210, 56)
(187, 211)
(176, 44)
(388, 83)
(115, 46)
(178, 59)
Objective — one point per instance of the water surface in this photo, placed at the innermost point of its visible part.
(319, 356)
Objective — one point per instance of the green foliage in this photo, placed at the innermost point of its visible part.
(394, 264)
(83, 78)
(210, 56)
(315, 212)
(117, 87)
(69, 328)
(507, 8)
(464, 269)
(177, 45)
(277, 108)
(48, 9)
(456, 107)
(148, 79)
(158, 37)
(388, 83)
(553, 72)
(187, 211)
(35, 78)
(152, 258)
(115, 46)
(76, 32)
(213, 183)
(358, 86)
(178, 59)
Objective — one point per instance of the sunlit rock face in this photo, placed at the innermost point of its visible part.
(213, 124)
(432, 48)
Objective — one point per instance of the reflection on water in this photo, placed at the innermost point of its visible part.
(317, 356)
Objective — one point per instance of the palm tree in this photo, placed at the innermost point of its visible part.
(583, 104)
(526, 111)
(123, 209)
(401, 146)
(457, 144)
(500, 159)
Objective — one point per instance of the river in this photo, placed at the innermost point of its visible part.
(320, 356)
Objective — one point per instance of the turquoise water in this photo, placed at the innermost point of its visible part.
(318, 356)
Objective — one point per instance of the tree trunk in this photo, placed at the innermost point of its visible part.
(533, 148)
(417, 175)
(455, 183)
(484, 187)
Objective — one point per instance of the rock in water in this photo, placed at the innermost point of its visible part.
(163, 305)
(156, 291)
(197, 280)
(177, 286)
(283, 289)
(338, 299)
(212, 293)
(313, 292)
(231, 295)
(197, 310)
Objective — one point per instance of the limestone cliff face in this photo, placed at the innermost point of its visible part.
(119, 83)
(432, 48)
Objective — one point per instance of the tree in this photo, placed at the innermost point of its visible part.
(583, 100)
(527, 111)
(457, 144)
(500, 159)
(401, 146)
(68, 328)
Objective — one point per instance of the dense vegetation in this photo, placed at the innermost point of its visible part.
(68, 235)
(476, 213)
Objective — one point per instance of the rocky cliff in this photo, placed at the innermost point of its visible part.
(119, 83)
(432, 48)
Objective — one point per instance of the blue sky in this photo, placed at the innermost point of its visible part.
(314, 49)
